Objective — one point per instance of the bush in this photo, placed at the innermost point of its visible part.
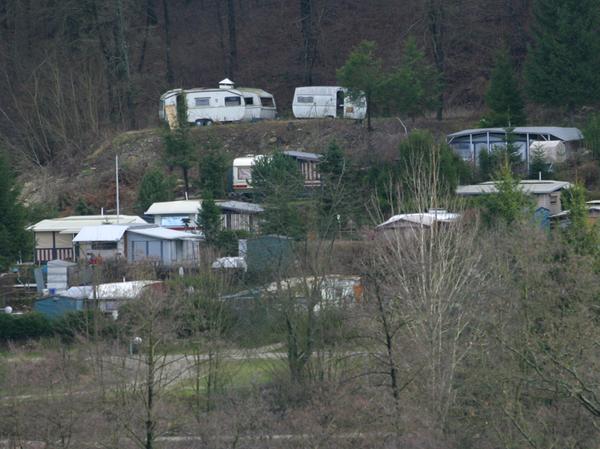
(22, 327)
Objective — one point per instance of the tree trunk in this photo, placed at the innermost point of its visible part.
(306, 19)
(232, 66)
(169, 66)
(150, 20)
(221, 34)
(122, 63)
(435, 20)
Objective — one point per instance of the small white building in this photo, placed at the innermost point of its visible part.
(218, 105)
(183, 215)
(327, 101)
(546, 192)
(54, 237)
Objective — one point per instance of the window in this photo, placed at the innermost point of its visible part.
(104, 245)
(553, 199)
(202, 101)
(244, 173)
(249, 100)
(306, 99)
(175, 220)
(233, 101)
(267, 102)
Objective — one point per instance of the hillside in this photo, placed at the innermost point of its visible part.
(92, 177)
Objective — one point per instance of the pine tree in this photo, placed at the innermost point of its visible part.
(509, 204)
(278, 184)
(209, 220)
(212, 170)
(15, 241)
(155, 186)
(563, 63)
(503, 96)
(362, 75)
(179, 149)
(413, 88)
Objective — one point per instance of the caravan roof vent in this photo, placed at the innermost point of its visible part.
(226, 84)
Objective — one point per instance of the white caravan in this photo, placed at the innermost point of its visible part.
(327, 101)
(307, 164)
(222, 104)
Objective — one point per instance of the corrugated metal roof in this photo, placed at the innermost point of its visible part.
(529, 186)
(114, 290)
(565, 134)
(74, 223)
(101, 233)
(303, 155)
(164, 233)
(425, 218)
(240, 206)
(174, 207)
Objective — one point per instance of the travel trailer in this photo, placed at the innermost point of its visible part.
(327, 101)
(307, 164)
(206, 106)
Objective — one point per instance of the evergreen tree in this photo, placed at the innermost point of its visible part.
(209, 220)
(212, 170)
(362, 74)
(155, 186)
(83, 208)
(179, 149)
(580, 234)
(413, 88)
(591, 135)
(563, 63)
(508, 204)
(538, 167)
(503, 96)
(278, 184)
(15, 241)
(420, 151)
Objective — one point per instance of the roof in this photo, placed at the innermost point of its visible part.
(424, 219)
(101, 233)
(533, 187)
(114, 290)
(254, 90)
(74, 223)
(317, 90)
(240, 206)
(164, 233)
(247, 161)
(303, 155)
(174, 207)
(565, 134)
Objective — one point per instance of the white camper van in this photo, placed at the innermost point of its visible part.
(223, 104)
(327, 101)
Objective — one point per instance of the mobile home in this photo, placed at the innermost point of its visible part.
(307, 164)
(327, 101)
(223, 104)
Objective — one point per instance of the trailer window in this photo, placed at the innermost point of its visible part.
(249, 100)
(267, 102)
(202, 101)
(306, 100)
(233, 101)
(244, 173)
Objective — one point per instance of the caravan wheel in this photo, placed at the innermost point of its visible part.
(203, 122)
